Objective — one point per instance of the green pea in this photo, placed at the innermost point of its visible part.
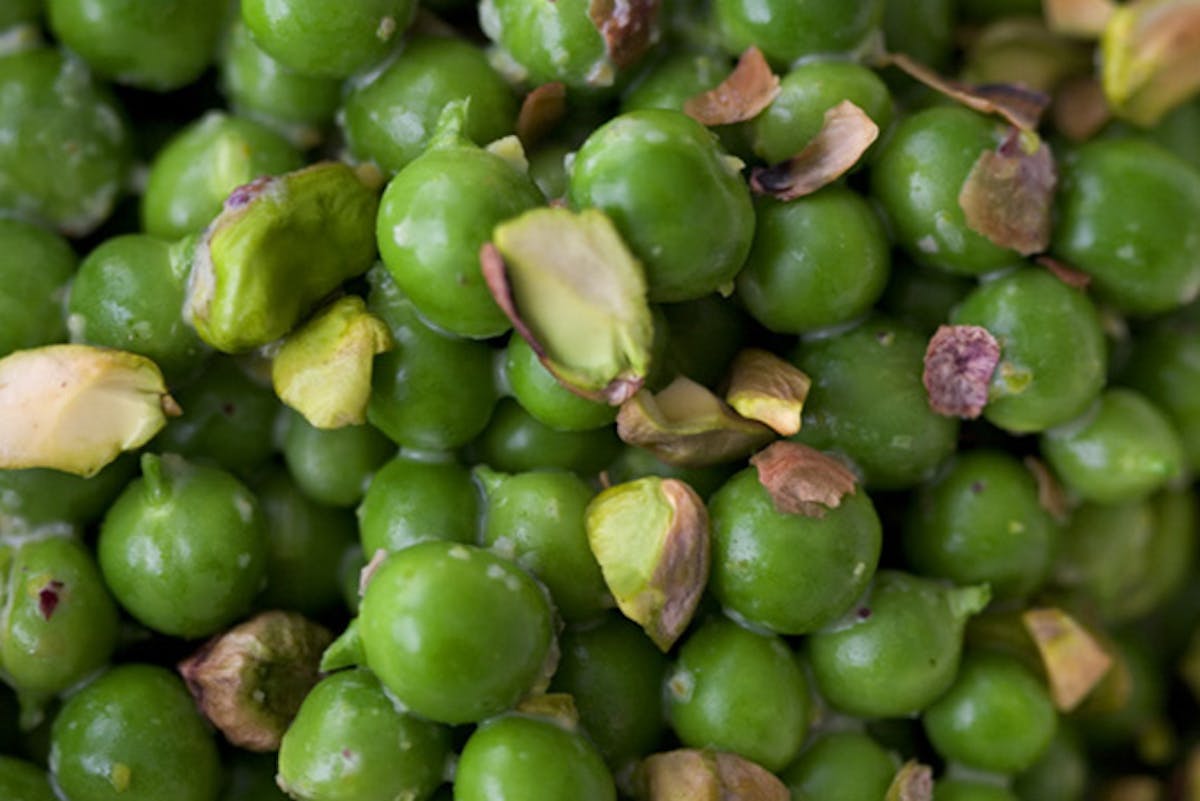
(18, 11)
(898, 650)
(1061, 774)
(390, 118)
(817, 262)
(411, 500)
(128, 294)
(546, 400)
(1124, 211)
(518, 758)
(550, 41)
(333, 466)
(1165, 366)
(31, 300)
(1144, 696)
(1052, 353)
(615, 674)
(671, 81)
(350, 743)
(678, 201)
(633, 463)
(786, 30)
(455, 633)
(317, 39)
(1176, 132)
(980, 520)
(183, 548)
(924, 29)
(922, 297)
(841, 766)
(704, 336)
(969, 790)
(895, 444)
(736, 690)
(23, 781)
(515, 442)
(537, 520)
(64, 144)
(789, 573)
(350, 570)
(105, 747)
(197, 169)
(40, 495)
(548, 168)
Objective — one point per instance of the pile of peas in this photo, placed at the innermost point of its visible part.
(463, 578)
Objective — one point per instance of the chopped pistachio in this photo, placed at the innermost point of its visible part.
(75, 408)
(1009, 193)
(250, 680)
(690, 774)
(651, 539)
(323, 369)
(1022, 50)
(571, 287)
(1080, 108)
(745, 94)
(959, 363)
(511, 150)
(279, 246)
(1051, 495)
(1073, 660)
(558, 707)
(1151, 58)
(844, 137)
(629, 27)
(768, 389)
(802, 480)
(1076, 279)
(688, 426)
(913, 782)
(541, 110)
(1083, 18)
(1114, 691)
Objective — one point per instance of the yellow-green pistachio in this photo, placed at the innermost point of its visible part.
(1024, 50)
(690, 774)
(1150, 52)
(1074, 661)
(913, 782)
(768, 389)
(557, 707)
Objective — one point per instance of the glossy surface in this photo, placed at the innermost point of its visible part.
(30, 300)
(413, 500)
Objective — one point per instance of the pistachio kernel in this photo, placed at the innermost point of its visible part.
(541, 110)
(802, 480)
(959, 364)
(1149, 56)
(629, 27)
(844, 137)
(1082, 18)
(743, 95)
(1009, 193)
(705, 775)
(1072, 658)
(913, 782)
(768, 389)
(557, 707)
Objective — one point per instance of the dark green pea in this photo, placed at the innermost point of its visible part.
(550, 41)
(670, 82)
(896, 443)
(1144, 697)
(333, 466)
(1060, 775)
(150, 44)
(306, 543)
(518, 758)
(40, 495)
(810, 89)
(736, 690)
(922, 297)
(705, 335)
(1052, 352)
(350, 576)
(228, 418)
(432, 392)
(350, 743)
(390, 118)
(997, 716)
(433, 218)
(10, 733)
(898, 650)
(615, 674)
(841, 766)
(251, 777)
(923, 29)
(1165, 366)
(548, 169)
(980, 520)
(31, 299)
(299, 106)
(786, 30)
(515, 442)
(18, 11)
(791, 573)
(23, 781)
(546, 400)
(1176, 132)
(411, 500)
(454, 632)
(1125, 208)
(128, 294)
(917, 178)
(184, 548)
(64, 145)
(970, 790)
(197, 169)
(134, 735)
(817, 261)
(317, 39)
(1121, 449)
(537, 520)
(633, 463)
(678, 201)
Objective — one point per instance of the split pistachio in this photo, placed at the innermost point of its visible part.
(846, 134)
(690, 774)
(75, 408)
(960, 361)
(802, 480)
(745, 94)
(279, 246)
(1076, 279)
(1009, 193)
(1150, 53)
(687, 425)
(651, 539)
(913, 782)
(768, 389)
(1083, 18)
(557, 707)
(250, 680)
(1072, 658)
(1080, 108)
(323, 369)
(573, 290)
(1051, 494)
(629, 28)
(541, 110)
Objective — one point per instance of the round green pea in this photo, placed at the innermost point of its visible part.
(550, 41)
(333, 466)
(39, 495)
(670, 82)
(704, 337)
(23, 781)
(514, 442)
(410, 500)
(31, 299)
(546, 400)
(923, 29)
(1061, 774)
(922, 297)
(19, 11)
(633, 463)
(841, 766)
(1165, 367)
(786, 30)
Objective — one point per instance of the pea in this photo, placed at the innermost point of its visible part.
(411, 500)
(23, 781)
(544, 398)
(30, 300)
(704, 336)
(1165, 367)
(19, 11)
(1061, 774)
(841, 766)
(922, 297)
(514, 442)
(40, 495)
(669, 82)
(923, 29)
(633, 463)
(786, 30)
(556, 42)
(333, 466)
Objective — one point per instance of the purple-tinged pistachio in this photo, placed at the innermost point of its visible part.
(913, 782)
(1150, 52)
(541, 110)
(573, 290)
(278, 247)
(1009, 193)
(959, 363)
(75, 408)
(1080, 108)
(745, 94)
(651, 539)
(323, 369)
(557, 707)
(802, 480)
(629, 28)
(844, 137)
(250, 680)
(1072, 658)
(689, 774)
(1082, 18)
(768, 389)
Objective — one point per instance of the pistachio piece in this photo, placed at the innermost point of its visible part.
(651, 539)
(1051, 495)
(573, 290)
(75, 408)
(913, 782)
(690, 774)
(959, 363)
(1115, 689)
(1083, 18)
(541, 110)
(768, 389)
(844, 137)
(323, 369)
(1022, 50)
(279, 246)
(558, 707)
(1008, 194)
(629, 27)
(1073, 660)
(1080, 108)
(1150, 52)
(250, 680)
(688, 426)
(745, 94)
(802, 480)
(1077, 279)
